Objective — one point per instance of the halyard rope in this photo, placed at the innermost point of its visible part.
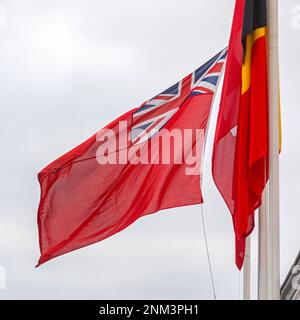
(208, 256)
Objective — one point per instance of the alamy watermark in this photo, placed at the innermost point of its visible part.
(156, 147)
(296, 17)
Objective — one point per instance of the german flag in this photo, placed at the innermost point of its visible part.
(240, 155)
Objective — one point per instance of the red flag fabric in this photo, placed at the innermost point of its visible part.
(147, 160)
(240, 153)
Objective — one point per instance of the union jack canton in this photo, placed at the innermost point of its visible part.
(152, 116)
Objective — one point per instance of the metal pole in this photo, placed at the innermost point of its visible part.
(263, 258)
(247, 271)
(273, 216)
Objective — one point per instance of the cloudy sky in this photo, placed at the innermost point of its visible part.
(68, 67)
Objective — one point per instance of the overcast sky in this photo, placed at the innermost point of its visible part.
(69, 67)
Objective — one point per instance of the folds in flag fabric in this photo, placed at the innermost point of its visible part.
(126, 170)
(240, 155)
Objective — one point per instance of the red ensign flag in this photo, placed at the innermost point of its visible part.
(240, 154)
(147, 160)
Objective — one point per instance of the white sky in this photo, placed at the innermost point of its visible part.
(68, 67)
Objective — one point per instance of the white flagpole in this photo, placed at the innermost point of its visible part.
(247, 271)
(273, 216)
(263, 258)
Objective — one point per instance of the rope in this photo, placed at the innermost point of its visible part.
(208, 256)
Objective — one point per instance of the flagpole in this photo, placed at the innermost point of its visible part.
(247, 271)
(263, 258)
(273, 215)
